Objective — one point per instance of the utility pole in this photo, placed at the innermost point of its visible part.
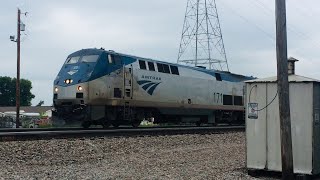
(18, 72)
(283, 90)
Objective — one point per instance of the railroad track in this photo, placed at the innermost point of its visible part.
(37, 134)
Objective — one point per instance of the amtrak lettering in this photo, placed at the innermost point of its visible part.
(151, 77)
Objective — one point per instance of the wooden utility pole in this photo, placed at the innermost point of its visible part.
(18, 72)
(283, 90)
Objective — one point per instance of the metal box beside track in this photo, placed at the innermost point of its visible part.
(263, 124)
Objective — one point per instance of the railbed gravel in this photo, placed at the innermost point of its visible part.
(209, 156)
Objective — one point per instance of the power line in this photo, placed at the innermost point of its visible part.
(304, 12)
(291, 27)
(270, 36)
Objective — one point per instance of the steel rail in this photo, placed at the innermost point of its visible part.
(100, 128)
(82, 133)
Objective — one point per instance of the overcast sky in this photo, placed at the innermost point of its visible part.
(150, 28)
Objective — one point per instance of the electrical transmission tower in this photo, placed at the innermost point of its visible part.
(201, 41)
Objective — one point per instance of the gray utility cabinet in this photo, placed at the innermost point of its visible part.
(263, 125)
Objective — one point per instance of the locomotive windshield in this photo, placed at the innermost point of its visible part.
(85, 59)
(90, 58)
(72, 60)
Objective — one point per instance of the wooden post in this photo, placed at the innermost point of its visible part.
(18, 73)
(283, 90)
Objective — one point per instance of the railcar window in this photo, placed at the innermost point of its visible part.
(90, 58)
(218, 77)
(166, 69)
(151, 66)
(238, 100)
(174, 70)
(142, 64)
(227, 100)
(72, 60)
(160, 67)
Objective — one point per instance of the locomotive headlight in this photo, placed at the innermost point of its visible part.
(80, 88)
(56, 89)
(68, 81)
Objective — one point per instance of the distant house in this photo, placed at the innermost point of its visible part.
(29, 109)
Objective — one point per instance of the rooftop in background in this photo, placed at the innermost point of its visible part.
(27, 109)
(292, 78)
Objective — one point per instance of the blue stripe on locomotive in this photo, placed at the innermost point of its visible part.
(89, 71)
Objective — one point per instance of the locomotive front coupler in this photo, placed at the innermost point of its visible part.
(81, 108)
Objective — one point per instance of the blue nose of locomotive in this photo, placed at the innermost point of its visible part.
(79, 67)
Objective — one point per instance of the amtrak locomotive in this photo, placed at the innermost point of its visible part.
(95, 86)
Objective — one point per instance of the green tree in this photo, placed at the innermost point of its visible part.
(8, 92)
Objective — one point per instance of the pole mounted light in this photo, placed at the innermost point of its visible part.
(12, 38)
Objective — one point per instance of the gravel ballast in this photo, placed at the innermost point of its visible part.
(211, 156)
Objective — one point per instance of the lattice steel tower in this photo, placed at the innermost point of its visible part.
(201, 41)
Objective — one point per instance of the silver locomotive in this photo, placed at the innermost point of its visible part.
(95, 86)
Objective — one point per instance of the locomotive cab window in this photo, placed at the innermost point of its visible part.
(114, 59)
(90, 58)
(110, 59)
(218, 77)
(174, 70)
(151, 66)
(142, 64)
(72, 60)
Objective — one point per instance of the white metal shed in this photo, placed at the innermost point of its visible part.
(263, 124)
